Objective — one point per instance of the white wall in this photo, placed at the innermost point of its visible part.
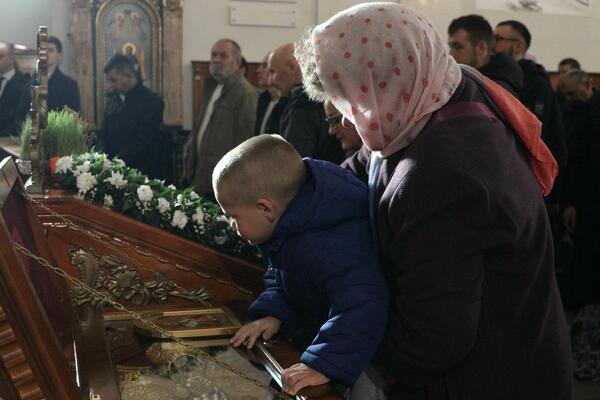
(205, 21)
(554, 36)
(20, 20)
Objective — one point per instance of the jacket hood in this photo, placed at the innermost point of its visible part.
(505, 71)
(331, 195)
(531, 68)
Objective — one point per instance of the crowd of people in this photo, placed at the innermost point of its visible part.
(415, 197)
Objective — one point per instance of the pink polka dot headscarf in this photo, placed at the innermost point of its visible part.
(386, 69)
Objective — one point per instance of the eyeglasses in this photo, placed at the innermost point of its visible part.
(334, 119)
(499, 38)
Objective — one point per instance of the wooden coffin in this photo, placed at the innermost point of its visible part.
(54, 341)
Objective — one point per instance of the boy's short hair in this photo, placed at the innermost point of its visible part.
(265, 166)
(476, 26)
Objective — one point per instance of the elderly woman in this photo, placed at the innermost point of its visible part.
(457, 171)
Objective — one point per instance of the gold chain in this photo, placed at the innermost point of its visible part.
(99, 295)
(150, 324)
(103, 238)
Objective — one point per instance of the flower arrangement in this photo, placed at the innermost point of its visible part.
(113, 185)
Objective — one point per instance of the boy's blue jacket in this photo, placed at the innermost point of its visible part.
(322, 266)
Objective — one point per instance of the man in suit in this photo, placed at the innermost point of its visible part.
(226, 118)
(62, 90)
(15, 93)
(132, 118)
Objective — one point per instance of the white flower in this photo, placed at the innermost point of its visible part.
(220, 240)
(108, 201)
(64, 164)
(119, 161)
(194, 196)
(179, 198)
(145, 193)
(163, 205)
(179, 220)
(172, 187)
(96, 155)
(106, 165)
(116, 179)
(82, 169)
(222, 218)
(85, 181)
(198, 216)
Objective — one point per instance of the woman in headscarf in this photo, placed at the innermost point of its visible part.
(457, 171)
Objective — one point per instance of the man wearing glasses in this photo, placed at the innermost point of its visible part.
(537, 95)
(514, 38)
(471, 42)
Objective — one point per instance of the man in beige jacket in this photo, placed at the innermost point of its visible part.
(226, 117)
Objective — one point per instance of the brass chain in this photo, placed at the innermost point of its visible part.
(99, 295)
(104, 239)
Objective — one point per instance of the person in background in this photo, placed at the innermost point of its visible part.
(341, 129)
(457, 172)
(226, 118)
(62, 89)
(568, 64)
(538, 96)
(579, 198)
(270, 103)
(471, 42)
(244, 67)
(323, 285)
(15, 92)
(132, 118)
(302, 120)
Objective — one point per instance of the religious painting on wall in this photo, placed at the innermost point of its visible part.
(133, 28)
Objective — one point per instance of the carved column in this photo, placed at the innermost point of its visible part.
(172, 62)
(83, 68)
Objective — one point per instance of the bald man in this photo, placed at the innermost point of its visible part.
(15, 94)
(303, 121)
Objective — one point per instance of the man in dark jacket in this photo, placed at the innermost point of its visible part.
(514, 38)
(581, 190)
(302, 120)
(15, 92)
(132, 118)
(270, 103)
(310, 221)
(471, 42)
(62, 89)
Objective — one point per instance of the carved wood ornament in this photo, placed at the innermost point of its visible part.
(121, 282)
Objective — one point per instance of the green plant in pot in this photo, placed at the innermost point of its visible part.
(65, 134)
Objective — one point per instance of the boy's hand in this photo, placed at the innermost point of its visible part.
(299, 376)
(267, 326)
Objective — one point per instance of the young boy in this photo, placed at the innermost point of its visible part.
(310, 221)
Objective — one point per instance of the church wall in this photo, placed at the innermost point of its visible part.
(554, 36)
(205, 21)
(21, 19)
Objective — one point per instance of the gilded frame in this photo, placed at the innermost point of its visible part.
(227, 324)
(101, 56)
